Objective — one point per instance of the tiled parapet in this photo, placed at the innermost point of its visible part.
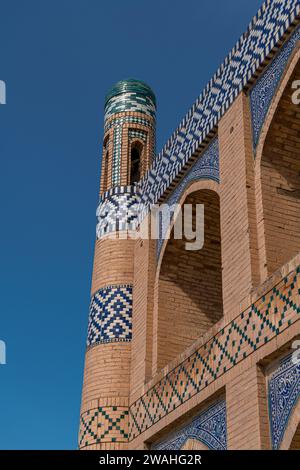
(267, 318)
(240, 67)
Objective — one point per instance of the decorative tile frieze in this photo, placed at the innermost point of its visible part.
(283, 395)
(110, 317)
(267, 84)
(265, 319)
(209, 427)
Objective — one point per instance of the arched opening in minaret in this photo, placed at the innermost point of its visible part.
(135, 162)
(189, 285)
(280, 183)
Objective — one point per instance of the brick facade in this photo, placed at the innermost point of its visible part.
(186, 349)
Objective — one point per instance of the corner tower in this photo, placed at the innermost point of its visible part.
(128, 150)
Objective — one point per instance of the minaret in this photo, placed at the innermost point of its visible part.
(128, 150)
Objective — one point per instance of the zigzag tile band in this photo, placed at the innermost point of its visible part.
(110, 318)
(260, 323)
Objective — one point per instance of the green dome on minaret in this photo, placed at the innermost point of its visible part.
(130, 85)
(130, 95)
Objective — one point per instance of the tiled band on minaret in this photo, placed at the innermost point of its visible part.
(128, 150)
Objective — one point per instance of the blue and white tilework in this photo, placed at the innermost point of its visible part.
(283, 395)
(127, 119)
(117, 211)
(265, 88)
(206, 167)
(137, 134)
(267, 28)
(110, 317)
(209, 428)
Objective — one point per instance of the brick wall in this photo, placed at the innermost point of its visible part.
(113, 263)
(190, 286)
(237, 206)
(280, 170)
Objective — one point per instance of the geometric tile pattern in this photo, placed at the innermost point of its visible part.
(137, 134)
(283, 394)
(265, 319)
(117, 210)
(110, 317)
(265, 87)
(265, 31)
(130, 102)
(102, 425)
(209, 428)
(125, 120)
(205, 167)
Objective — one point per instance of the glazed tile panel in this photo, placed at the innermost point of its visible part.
(256, 326)
(110, 317)
(209, 427)
(266, 86)
(117, 211)
(283, 394)
(265, 31)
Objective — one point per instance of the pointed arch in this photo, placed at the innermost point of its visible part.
(277, 186)
(188, 292)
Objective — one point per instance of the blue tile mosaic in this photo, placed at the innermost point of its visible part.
(265, 88)
(117, 211)
(267, 28)
(209, 428)
(283, 395)
(110, 317)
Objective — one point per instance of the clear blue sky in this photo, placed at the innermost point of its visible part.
(58, 59)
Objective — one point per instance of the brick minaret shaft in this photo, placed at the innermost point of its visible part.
(128, 149)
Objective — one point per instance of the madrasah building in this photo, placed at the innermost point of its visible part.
(197, 349)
